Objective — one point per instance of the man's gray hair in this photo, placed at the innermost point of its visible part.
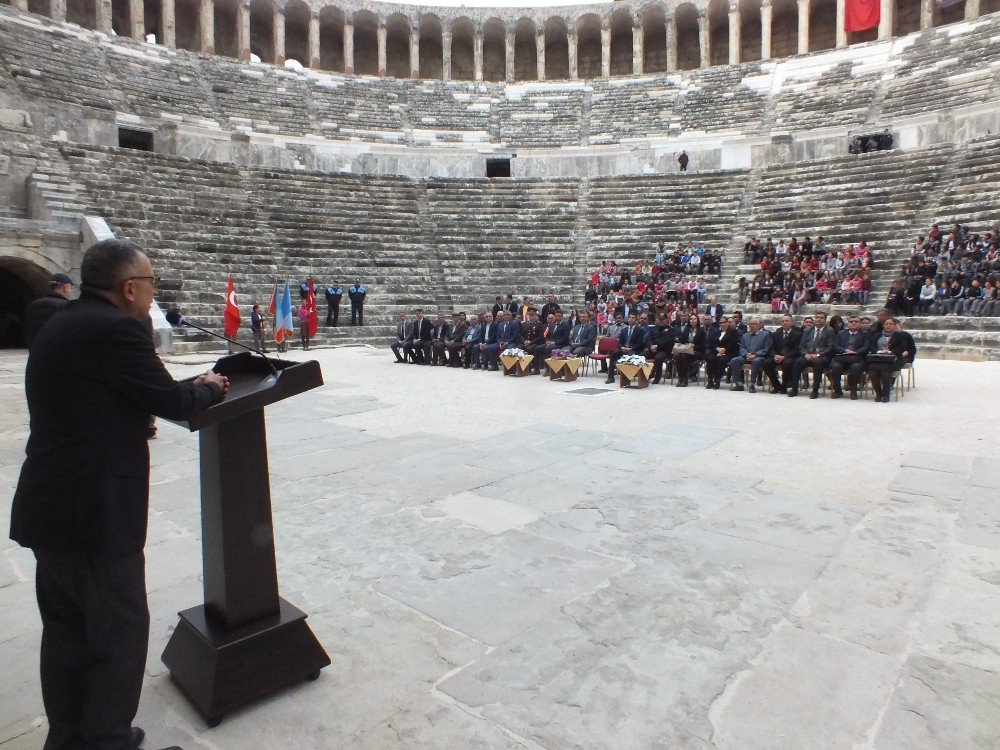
(107, 263)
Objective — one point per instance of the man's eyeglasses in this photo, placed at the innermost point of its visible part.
(154, 280)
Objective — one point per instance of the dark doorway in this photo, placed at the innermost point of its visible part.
(140, 140)
(15, 294)
(498, 167)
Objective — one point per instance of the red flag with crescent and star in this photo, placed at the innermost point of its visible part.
(232, 313)
(311, 303)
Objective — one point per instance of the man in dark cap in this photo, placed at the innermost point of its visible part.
(43, 308)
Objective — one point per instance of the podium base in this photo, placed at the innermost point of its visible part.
(220, 670)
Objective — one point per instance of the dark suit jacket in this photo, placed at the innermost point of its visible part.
(442, 332)
(509, 334)
(421, 329)
(458, 333)
(559, 334)
(720, 310)
(786, 344)
(532, 332)
(494, 332)
(637, 341)
(820, 341)
(857, 341)
(730, 341)
(92, 380)
(587, 335)
(39, 311)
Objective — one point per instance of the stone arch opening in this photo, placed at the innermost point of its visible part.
(988, 6)
(187, 25)
(397, 46)
(654, 40)
(718, 32)
(525, 51)
(749, 30)
(83, 13)
(905, 17)
(21, 281)
(463, 67)
(949, 14)
(784, 28)
(688, 37)
(365, 43)
(331, 39)
(556, 49)
(430, 57)
(588, 46)
(621, 42)
(121, 17)
(822, 25)
(40, 7)
(226, 18)
(152, 19)
(297, 17)
(494, 50)
(262, 30)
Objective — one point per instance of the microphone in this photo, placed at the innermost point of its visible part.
(175, 318)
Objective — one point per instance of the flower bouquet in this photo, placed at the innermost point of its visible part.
(632, 359)
(562, 354)
(513, 352)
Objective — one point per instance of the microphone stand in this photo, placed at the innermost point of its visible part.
(185, 322)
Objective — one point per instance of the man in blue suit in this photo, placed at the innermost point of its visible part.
(633, 341)
(470, 342)
(754, 349)
(583, 337)
(485, 357)
(508, 333)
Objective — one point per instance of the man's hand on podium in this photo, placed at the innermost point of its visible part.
(213, 377)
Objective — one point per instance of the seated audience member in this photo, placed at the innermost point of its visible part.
(754, 348)
(715, 309)
(910, 350)
(815, 350)
(631, 341)
(689, 335)
(884, 358)
(557, 335)
(661, 344)
(720, 348)
(849, 354)
(532, 338)
(737, 323)
(420, 339)
(508, 333)
(455, 344)
(404, 337)
(470, 342)
(928, 294)
(784, 351)
(487, 345)
(583, 337)
(439, 339)
(615, 331)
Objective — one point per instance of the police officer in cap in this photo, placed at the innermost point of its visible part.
(43, 308)
(334, 293)
(356, 292)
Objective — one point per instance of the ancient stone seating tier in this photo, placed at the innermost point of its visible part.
(818, 99)
(539, 115)
(718, 99)
(972, 196)
(156, 81)
(620, 109)
(628, 215)
(451, 111)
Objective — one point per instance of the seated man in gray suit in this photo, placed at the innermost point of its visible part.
(583, 337)
(754, 348)
(404, 338)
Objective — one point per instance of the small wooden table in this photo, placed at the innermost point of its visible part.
(517, 366)
(565, 369)
(640, 373)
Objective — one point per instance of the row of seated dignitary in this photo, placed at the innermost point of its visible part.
(476, 341)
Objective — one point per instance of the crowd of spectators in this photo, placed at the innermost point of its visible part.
(957, 273)
(797, 273)
(672, 283)
(688, 344)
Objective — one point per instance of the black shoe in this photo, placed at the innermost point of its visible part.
(854, 395)
(736, 387)
(815, 394)
(837, 394)
(715, 385)
(751, 389)
(887, 399)
(655, 381)
(466, 367)
(136, 736)
(609, 381)
(793, 393)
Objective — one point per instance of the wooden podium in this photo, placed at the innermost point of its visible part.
(245, 642)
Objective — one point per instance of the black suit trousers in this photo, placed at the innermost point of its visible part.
(818, 367)
(95, 631)
(855, 366)
(771, 367)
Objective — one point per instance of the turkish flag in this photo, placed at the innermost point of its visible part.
(232, 313)
(311, 304)
(862, 14)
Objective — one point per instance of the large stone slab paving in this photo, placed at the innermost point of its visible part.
(962, 625)
(21, 711)
(928, 482)
(978, 521)
(941, 705)
(805, 691)
(985, 472)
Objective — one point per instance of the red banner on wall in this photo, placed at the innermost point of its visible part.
(861, 14)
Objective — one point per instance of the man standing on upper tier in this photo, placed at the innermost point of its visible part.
(683, 161)
(82, 501)
(356, 293)
(334, 293)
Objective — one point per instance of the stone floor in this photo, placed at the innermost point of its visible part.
(503, 563)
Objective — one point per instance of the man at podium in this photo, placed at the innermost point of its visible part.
(82, 500)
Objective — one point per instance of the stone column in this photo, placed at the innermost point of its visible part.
(926, 14)
(314, 56)
(446, 55)
(168, 23)
(765, 29)
(637, 49)
(735, 36)
(509, 55)
(207, 25)
(348, 47)
(279, 37)
(671, 45)
(243, 30)
(571, 49)
(605, 51)
(414, 52)
(58, 10)
(841, 20)
(380, 40)
(103, 10)
(971, 9)
(477, 55)
(888, 8)
(803, 26)
(704, 39)
(540, 55)
(137, 20)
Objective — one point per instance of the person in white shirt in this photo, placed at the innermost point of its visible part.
(927, 294)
